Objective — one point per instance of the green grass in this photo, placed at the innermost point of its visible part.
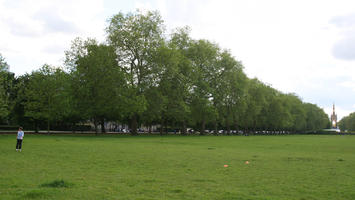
(170, 167)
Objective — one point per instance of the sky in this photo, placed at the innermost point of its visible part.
(306, 47)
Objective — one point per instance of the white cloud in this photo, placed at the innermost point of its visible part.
(23, 28)
(36, 33)
(54, 23)
(348, 84)
(344, 21)
(344, 48)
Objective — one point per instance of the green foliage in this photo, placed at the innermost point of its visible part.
(4, 98)
(3, 64)
(97, 81)
(347, 123)
(136, 39)
(173, 85)
(229, 88)
(257, 101)
(203, 55)
(19, 100)
(46, 95)
(316, 118)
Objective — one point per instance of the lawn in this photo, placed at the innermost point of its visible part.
(178, 167)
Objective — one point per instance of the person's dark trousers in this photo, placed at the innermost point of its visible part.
(19, 144)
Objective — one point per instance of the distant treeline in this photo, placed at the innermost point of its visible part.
(142, 76)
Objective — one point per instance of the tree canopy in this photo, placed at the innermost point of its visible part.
(347, 123)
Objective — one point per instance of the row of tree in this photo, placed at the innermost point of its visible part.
(140, 76)
(348, 123)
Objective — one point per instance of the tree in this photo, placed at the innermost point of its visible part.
(46, 98)
(228, 86)
(297, 111)
(257, 99)
(9, 86)
(3, 64)
(173, 86)
(136, 38)
(182, 81)
(203, 56)
(155, 102)
(4, 67)
(278, 115)
(97, 82)
(19, 100)
(347, 123)
(316, 118)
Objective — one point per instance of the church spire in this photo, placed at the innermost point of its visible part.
(333, 118)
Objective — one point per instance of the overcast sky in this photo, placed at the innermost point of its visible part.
(303, 47)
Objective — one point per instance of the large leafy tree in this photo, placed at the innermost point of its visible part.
(182, 79)
(174, 82)
(203, 55)
(228, 86)
(136, 38)
(173, 86)
(19, 101)
(97, 82)
(46, 97)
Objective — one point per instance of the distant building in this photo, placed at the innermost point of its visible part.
(334, 118)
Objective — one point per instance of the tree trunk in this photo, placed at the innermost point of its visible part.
(166, 127)
(36, 126)
(254, 125)
(150, 129)
(102, 121)
(95, 125)
(202, 130)
(236, 127)
(73, 127)
(134, 125)
(183, 129)
(228, 127)
(48, 125)
(161, 126)
(215, 128)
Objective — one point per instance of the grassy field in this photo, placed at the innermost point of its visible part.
(177, 167)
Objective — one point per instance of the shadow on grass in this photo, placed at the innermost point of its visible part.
(176, 191)
(35, 194)
(57, 184)
(302, 159)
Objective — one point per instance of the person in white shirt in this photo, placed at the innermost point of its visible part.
(20, 135)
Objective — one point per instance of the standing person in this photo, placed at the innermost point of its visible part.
(20, 135)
